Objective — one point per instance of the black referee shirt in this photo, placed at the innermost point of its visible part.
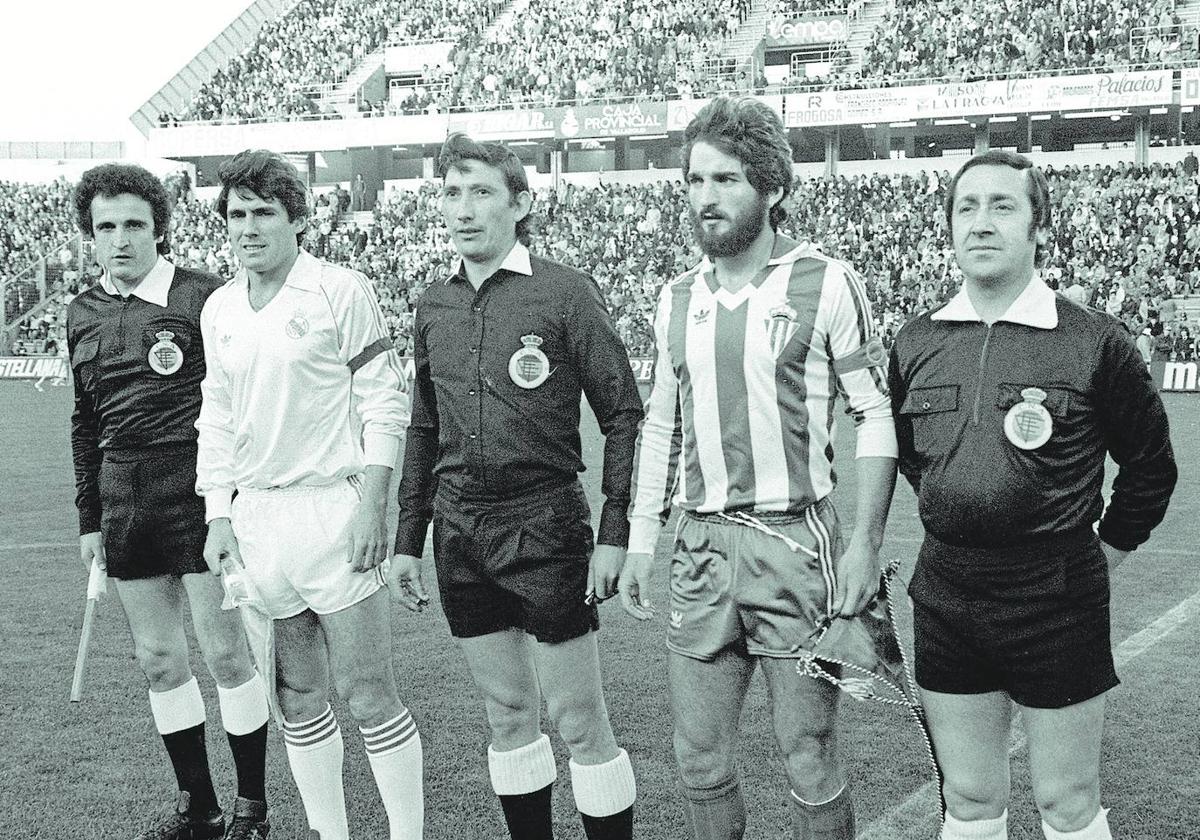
(476, 434)
(121, 401)
(953, 381)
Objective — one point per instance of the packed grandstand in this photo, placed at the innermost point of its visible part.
(1128, 234)
(659, 49)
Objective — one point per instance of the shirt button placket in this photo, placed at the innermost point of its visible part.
(477, 339)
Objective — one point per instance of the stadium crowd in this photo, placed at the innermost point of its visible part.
(967, 39)
(320, 42)
(621, 49)
(589, 52)
(1128, 236)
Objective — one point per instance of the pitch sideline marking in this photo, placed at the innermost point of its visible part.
(924, 798)
(32, 546)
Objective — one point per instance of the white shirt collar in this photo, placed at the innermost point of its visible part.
(517, 262)
(1034, 307)
(154, 288)
(305, 273)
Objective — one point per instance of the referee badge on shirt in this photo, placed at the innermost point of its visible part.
(1027, 424)
(529, 367)
(165, 356)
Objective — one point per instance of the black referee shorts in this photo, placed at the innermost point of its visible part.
(519, 563)
(151, 518)
(1031, 620)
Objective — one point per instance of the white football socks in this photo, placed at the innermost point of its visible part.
(396, 756)
(315, 753)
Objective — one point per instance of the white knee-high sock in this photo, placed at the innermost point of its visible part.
(397, 758)
(315, 753)
(603, 789)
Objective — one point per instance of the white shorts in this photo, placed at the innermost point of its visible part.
(296, 544)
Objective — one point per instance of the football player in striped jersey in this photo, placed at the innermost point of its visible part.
(754, 346)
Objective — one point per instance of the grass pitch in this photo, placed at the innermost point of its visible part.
(93, 770)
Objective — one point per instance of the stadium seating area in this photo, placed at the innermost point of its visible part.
(587, 52)
(919, 39)
(321, 42)
(35, 216)
(1131, 235)
(620, 48)
(550, 53)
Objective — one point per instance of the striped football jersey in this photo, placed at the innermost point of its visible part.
(741, 411)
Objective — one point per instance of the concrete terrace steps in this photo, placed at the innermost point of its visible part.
(742, 44)
(862, 29)
(343, 98)
(745, 41)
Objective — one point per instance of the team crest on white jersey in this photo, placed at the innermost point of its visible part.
(529, 367)
(165, 357)
(297, 327)
(781, 326)
(1027, 424)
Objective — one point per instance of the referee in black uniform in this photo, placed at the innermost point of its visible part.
(505, 346)
(134, 342)
(1007, 400)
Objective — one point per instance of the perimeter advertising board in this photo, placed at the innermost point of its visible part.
(33, 367)
(1175, 376)
(619, 120)
(986, 98)
(798, 32)
(1189, 86)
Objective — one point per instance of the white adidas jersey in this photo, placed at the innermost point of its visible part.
(305, 391)
(741, 413)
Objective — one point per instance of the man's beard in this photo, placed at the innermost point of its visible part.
(744, 229)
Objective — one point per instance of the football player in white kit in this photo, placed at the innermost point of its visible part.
(304, 409)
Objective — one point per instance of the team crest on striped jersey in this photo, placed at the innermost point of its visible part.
(165, 355)
(781, 326)
(529, 367)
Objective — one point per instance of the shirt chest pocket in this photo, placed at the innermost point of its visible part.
(933, 414)
(1056, 402)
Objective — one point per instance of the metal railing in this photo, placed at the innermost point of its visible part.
(30, 290)
(1170, 36)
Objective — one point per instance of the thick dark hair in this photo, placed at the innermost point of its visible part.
(460, 148)
(1036, 187)
(268, 175)
(747, 129)
(113, 179)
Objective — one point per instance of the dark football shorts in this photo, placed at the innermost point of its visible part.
(151, 517)
(518, 563)
(1031, 620)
